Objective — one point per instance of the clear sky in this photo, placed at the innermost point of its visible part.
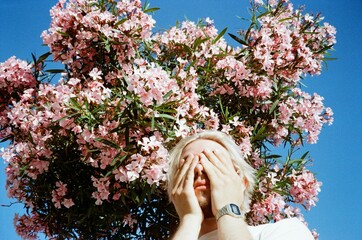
(337, 155)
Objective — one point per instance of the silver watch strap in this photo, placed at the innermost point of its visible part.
(229, 209)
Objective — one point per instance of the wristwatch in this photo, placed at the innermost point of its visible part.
(229, 209)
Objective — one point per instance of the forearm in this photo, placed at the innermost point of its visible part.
(231, 228)
(189, 228)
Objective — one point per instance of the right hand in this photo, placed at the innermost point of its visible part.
(183, 194)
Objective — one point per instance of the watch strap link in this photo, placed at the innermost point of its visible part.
(229, 209)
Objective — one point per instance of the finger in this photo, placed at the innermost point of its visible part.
(180, 173)
(225, 159)
(189, 178)
(180, 165)
(211, 171)
(216, 160)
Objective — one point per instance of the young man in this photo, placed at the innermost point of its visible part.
(210, 185)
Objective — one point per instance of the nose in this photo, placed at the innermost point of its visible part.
(199, 169)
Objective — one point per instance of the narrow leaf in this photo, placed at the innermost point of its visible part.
(163, 115)
(108, 143)
(55, 71)
(151, 10)
(239, 40)
(43, 57)
(220, 35)
(272, 108)
(121, 22)
(153, 122)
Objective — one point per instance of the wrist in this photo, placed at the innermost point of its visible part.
(232, 228)
(189, 228)
(191, 219)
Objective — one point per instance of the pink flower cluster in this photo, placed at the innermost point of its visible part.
(102, 186)
(303, 111)
(28, 227)
(16, 77)
(58, 196)
(274, 201)
(84, 35)
(305, 188)
(151, 83)
(285, 38)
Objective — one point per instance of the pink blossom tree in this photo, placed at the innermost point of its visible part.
(88, 155)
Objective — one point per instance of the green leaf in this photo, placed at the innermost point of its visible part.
(63, 34)
(273, 156)
(272, 108)
(107, 45)
(260, 134)
(151, 10)
(108, 143)
(167, 95)
(239, 40)
(121, 22)
(304, 155)
(34, 58)
(75, 104)
(198, 41)
(260, 172)
(329, 59)
(118, 160)
(43, 57)
(55, 71)
(153, 122)
(186, 48)
(225, 113)
(283, 193)
(297, 161)
(324, 49)
(5, 139)
(163, 115)
(286, 19)
(219, 36)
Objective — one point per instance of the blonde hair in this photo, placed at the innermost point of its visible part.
(244, 169)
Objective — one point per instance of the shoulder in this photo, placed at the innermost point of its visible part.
(291, 228)
(295, 222)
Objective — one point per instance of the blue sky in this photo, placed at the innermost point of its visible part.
(337, 155)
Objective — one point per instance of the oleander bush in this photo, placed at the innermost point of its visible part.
(89, 141)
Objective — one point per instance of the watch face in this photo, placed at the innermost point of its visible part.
(235, 209)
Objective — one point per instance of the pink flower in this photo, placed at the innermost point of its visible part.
(68, 202)
(155, 174)
(95, 74)
(128, 220)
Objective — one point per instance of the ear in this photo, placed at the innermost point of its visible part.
(245, 182)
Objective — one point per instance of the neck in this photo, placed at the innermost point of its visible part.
(208, 225)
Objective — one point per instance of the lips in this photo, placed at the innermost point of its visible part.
(201, 184)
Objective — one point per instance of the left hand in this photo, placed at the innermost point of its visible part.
(225, 183)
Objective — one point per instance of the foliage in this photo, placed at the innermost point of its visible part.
(88, 155)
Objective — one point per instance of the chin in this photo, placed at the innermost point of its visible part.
(204, 199)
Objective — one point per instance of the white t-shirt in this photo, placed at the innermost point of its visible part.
(286, 229)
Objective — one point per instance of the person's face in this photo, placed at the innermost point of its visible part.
(201, 181)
